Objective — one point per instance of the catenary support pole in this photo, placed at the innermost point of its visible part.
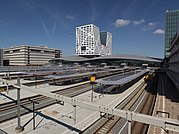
(19, 128)
(92, 93)
(129, 127)
(74, 107)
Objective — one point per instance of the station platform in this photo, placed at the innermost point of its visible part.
(12, 94)
(167, 104)
(59, 119)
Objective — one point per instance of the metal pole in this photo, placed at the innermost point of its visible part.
(7, 87)
(19, 128)
(74, 107)
(92, 93)
(33, 115)
(35, 82)
(129, 127)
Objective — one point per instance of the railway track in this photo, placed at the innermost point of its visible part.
(140, 128)
(144, 105)
(8, 110)
(105, 125)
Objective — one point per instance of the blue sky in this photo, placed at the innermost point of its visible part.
(137, 26)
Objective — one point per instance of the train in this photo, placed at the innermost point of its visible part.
(147, 78)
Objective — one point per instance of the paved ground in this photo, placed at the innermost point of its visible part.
(168, 102)
(59, 119)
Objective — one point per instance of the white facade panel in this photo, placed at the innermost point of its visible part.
(88, 41)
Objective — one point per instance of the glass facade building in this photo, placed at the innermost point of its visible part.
(172, 18)
(103, 36)
(1, 57)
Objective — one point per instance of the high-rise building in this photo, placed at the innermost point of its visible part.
(30, 55)
(173, 60)
(90, 42)
(1, 57)
(172, 18)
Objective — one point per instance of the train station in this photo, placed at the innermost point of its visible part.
(92, 92)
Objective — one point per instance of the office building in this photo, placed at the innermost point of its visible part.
(90, 42)
(30, 55)
(172, 18)
(173, 63)
(1, 57)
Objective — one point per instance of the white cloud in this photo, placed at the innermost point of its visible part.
(69, 17)
(121, 22)
(152, 23)
(149, 26)
(137, 22)
(159, 31)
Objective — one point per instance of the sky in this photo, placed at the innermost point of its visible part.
(137, 26)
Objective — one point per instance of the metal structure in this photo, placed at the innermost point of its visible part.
(165, 123)
(19, 128)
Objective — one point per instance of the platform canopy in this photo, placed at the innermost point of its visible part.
(122, 80)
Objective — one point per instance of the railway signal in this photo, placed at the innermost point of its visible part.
(92, 80)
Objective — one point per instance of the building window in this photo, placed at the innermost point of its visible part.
(83, 48)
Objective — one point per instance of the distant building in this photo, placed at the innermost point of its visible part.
(90, 42)
(172, 18)
(1, 57)
(30, 55)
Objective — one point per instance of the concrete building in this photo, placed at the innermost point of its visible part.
(30, 55)
(173, 63)
(1, 57)
(90, 42)
(172, 18)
